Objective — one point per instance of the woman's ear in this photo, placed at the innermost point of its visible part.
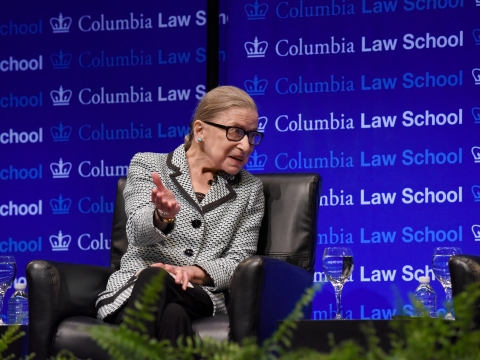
(198, 129)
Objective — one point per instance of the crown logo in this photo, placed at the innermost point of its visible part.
(256, 49)
(61, 60)
(476, 192)
(262, 123)
(476, 36)
(476, 114)
(476, 153)
(476, 75)
(256, 11)
(60, 242)
(61, 97)
(255, 86)
(60, 24)
(256, 162)
(61, 133)
(476, 232)
(60, 205)
(60, 170)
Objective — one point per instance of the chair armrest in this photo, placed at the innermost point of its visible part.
(58, 291)
(263, 291)
(465, 270)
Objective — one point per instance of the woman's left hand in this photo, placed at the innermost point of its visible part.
(186, 274)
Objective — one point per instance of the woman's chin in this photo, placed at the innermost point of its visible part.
(233, 169)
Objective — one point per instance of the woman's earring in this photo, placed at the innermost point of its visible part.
(199, 139)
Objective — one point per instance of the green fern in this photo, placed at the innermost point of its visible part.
(9, 336)
(417, 338)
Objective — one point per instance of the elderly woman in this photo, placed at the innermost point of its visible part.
(194, 213)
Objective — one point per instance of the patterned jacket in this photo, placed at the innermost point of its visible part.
(216, 234)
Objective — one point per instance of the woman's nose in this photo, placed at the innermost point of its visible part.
(244, 144)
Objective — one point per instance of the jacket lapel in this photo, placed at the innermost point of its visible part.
(177, 161)
(219, 193)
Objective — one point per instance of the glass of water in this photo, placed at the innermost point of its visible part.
(441, 255)
(8, 270)
(338, 266)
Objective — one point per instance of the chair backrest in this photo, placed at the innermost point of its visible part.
(289, 226)
(465, 270)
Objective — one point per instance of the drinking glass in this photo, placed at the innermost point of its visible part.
(338, 266)
(441, 255)
(8, 270)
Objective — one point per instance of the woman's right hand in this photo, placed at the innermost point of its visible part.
(164, 199)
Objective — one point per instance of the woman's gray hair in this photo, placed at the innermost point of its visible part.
(216, 101)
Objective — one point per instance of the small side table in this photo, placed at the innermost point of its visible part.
(20, 346)
(313, 334)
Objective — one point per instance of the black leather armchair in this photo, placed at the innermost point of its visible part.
(465, 270)
(264, 287)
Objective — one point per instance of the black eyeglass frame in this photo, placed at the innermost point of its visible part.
(227, 128)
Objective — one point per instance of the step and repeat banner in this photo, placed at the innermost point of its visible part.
(382, 99)
(379, 97)
(83, 87)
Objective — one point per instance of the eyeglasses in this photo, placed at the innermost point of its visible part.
(236, 134)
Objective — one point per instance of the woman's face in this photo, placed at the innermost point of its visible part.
(226, 155)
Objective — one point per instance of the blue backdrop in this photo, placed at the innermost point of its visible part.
(86, 85)
(379, 97)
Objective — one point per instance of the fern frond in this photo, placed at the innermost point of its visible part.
(12, 334)
(64, 355)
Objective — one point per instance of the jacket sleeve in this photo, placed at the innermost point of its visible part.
(138, 205)
(243, 243)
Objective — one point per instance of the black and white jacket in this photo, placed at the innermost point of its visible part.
(216, 234)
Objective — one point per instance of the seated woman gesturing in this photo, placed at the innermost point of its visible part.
(195, 213)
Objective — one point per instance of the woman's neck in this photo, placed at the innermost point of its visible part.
(201, 173)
